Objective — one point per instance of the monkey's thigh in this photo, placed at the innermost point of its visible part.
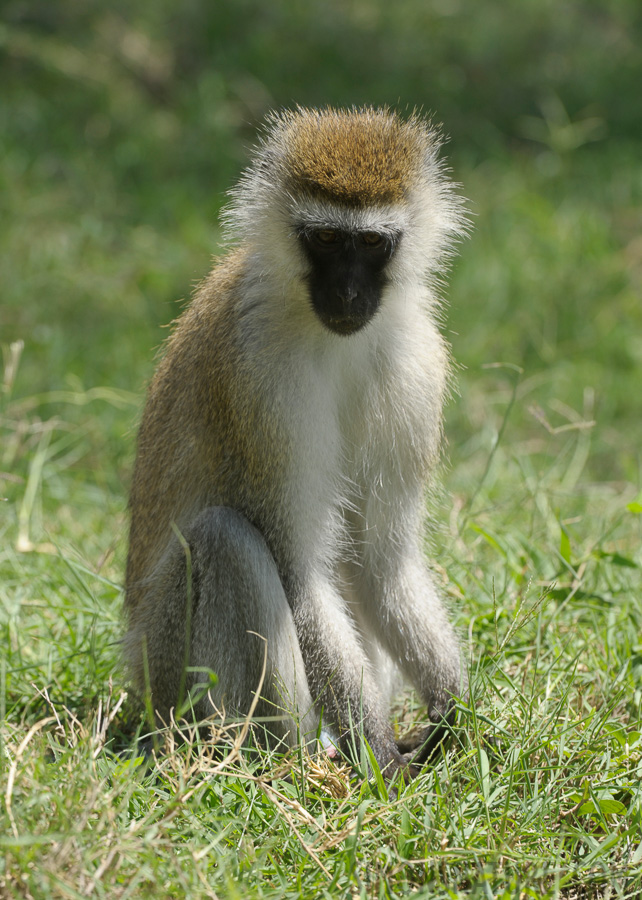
(237, 619)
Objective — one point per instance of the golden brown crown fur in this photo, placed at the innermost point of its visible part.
(359, 158)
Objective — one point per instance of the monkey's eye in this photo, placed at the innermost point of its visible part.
(326, 236)
(372, 239)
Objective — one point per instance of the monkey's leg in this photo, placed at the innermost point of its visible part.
(218, 605)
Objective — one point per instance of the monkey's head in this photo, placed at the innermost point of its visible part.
(347, 202)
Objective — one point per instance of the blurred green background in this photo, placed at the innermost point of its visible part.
(122, 125)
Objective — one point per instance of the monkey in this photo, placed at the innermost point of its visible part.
(290, 434)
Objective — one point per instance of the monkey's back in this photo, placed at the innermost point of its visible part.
(186, 437)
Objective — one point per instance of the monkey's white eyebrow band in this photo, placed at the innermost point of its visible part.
(389, 221)
(309, 228)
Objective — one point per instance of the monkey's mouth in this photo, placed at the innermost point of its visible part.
(344, 324)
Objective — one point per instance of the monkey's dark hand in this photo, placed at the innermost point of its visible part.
(400, 764)
(421, 744)
(390, 761)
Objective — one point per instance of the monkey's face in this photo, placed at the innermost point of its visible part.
(347, 274)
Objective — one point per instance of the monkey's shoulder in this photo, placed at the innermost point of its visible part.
(200, 346)
(205, 319)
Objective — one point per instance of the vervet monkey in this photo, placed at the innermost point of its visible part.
(289, 435)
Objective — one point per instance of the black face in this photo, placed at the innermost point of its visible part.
(347, 274)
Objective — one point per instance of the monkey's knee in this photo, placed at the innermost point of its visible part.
(242, 627)
(231, 565)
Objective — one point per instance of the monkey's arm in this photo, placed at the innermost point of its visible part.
(402, 606)
(339, 674)
(407, 612)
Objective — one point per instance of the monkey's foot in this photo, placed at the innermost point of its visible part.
(329, 745)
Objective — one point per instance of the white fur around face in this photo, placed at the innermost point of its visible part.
(428, 225)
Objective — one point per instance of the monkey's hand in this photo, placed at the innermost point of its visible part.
(421, 744)
(401, 768)
(391, 762)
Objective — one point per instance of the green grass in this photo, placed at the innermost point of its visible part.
(537, 523)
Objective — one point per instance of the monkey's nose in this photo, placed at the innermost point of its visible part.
(348, 293)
